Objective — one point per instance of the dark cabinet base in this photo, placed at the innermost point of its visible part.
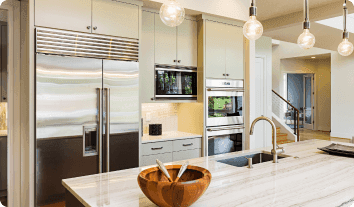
(71, 200)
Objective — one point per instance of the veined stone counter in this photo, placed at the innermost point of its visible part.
(313, 179)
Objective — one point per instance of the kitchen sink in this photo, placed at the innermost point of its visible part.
(241, 161)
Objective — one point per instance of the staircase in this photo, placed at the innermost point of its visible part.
(282, 138)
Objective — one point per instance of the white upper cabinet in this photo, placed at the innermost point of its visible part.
(105, 17)
(234, 52)
(74, 15)
(187, 43)
(224, 51)
(215, 50)
(115, 18)
(176, 45)
(165, 43)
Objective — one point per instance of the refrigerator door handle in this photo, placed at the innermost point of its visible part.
(100, 131)
(108, 123)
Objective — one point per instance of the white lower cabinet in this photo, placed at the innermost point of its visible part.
(185, 155)
(170, 151)
(151, 159)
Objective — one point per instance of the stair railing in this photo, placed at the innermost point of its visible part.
(296, 113)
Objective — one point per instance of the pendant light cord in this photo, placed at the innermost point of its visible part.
(306, 10)
(253, 3)
(345, 12)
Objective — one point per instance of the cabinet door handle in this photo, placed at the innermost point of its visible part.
(227, 74)
(88, 27)
(186, 145)
(223, 74)
(174, 61)
(94, 28)
(159, 148)
(179, 61)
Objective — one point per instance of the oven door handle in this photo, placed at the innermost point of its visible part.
(224, 128)
(226, 89)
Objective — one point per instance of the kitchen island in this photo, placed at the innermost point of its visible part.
(307, 177)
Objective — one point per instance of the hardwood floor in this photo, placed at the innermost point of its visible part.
(60, 204)
(306, 134)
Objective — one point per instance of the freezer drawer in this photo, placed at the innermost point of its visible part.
(151, 159)
(124, 151)
(3, 163)
(59, 159)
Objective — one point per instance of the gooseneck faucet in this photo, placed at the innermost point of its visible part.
(276, 149)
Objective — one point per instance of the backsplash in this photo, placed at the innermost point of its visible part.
(160, 113)
(3, 116)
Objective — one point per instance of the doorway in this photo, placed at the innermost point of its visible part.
(300, 93)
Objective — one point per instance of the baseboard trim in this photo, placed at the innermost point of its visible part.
(342, 135)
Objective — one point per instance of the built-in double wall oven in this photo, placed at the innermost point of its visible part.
(224, 116)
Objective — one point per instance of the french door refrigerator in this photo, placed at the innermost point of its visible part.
(87, 114)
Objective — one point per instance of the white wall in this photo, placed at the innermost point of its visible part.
(342, 96)
(234, 9)
(322, 71)
(263, 49)
(289, 50)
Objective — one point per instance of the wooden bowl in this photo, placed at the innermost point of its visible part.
(185, 192)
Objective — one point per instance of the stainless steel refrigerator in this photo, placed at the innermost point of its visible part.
(87, 111)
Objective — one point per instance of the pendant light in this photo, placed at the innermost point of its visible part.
(306, 40)
(345, 48)
(172, 13)
(253, 29)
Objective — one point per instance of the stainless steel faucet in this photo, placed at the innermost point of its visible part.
(276, 149)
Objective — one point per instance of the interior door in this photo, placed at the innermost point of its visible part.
(309, 101)
(121, 115)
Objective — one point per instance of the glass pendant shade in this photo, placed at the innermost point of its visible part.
(345, 48)
(172, 13)
(306, 40)
(252, 29)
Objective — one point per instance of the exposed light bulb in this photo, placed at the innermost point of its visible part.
(1, 1)
(306, 40)
(172, 13)
(252, 29)
(345, 48)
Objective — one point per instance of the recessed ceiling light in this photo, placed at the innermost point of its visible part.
(313, 57)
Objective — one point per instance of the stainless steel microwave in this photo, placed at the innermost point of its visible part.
(175, 82)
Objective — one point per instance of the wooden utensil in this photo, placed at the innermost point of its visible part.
(163, 169)
(181, 171)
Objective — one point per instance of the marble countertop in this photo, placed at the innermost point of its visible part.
(313, 179)
(167, 136)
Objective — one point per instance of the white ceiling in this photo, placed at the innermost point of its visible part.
(337, 22)
(267, 9)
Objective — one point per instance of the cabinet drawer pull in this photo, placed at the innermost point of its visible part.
(94, 28)
(88, 27)
(174, 61)
(186, 145)
(224, 74)
(227, 74)
(179, 61)
(159, 148)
